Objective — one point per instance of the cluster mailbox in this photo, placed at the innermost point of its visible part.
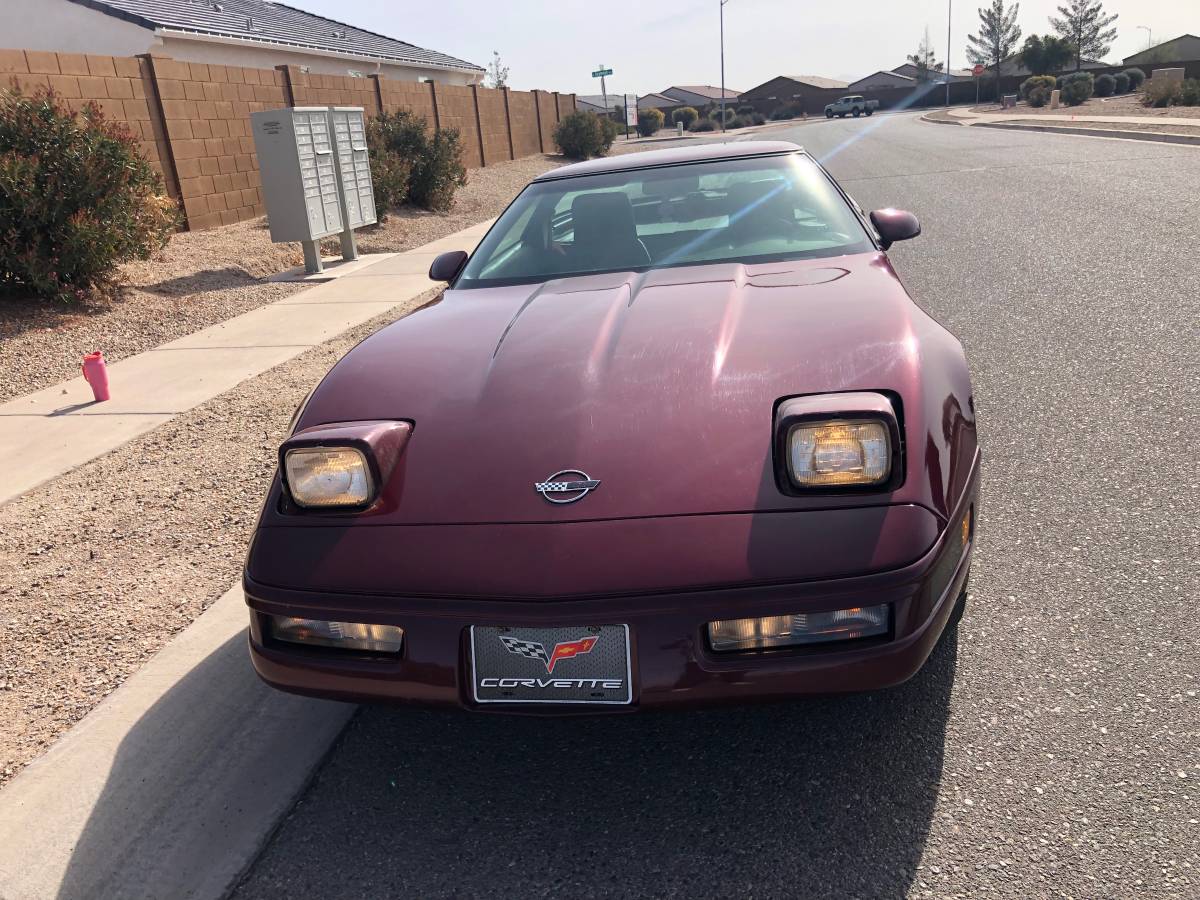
(316, 176)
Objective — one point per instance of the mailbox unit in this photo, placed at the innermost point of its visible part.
(316, 175)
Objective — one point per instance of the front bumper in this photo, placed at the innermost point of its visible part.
(670, 658)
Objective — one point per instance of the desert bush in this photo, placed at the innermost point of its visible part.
(1038, 96)
(685, 114)
(1189, 94)
(783, 112)
(1044, 81)
(715, 114)
(1161, 93)
(758, 119)
(1136, 77)
(76, 199)
(703, 125)
(1120, 83)
(609, 129)
(1105, 85)
(390, 172)
(737, 122)
(434, 161)
(582, 135)
(649, 121)
(745, 111)
(1077, 88)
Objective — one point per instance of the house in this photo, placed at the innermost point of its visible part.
(937, 77)
(1184, 48)
(698, 95)
(659, 101)
(788, 88)
(1012, 66)
(882, 79)
(253, 33)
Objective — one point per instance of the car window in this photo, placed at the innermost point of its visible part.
(739, 210)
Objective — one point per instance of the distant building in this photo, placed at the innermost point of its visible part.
(882, 80)
(595, 102)
(938, 77)
(698, 94)
(1181, 49)
(659, 101)
(250, 33)
(788, 88)
(1012, 66)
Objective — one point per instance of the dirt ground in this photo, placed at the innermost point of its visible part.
(1119, 126)
(204, 277)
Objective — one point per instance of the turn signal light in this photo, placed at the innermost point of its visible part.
(347, 635)
(798, 629)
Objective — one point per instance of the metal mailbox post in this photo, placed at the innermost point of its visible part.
(316, 176)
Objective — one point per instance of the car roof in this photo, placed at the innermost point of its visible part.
(672, 157)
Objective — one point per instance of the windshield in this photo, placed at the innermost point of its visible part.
(735, 210)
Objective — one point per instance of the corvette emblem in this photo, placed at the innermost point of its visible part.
(566, 486)
(562, 650)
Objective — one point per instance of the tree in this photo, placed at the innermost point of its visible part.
(1043, 56)
(998, 36)
(497, 72)
(924, 60)
(1087, 28)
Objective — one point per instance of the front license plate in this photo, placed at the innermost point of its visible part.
(580, 664)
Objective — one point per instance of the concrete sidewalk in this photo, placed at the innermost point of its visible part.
(171, 786)
(52, 431)
(970, 117)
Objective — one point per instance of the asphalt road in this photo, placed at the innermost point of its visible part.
(1050, 748)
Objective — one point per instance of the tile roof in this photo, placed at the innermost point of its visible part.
(703, 90)
(818, 81)
(272, 23)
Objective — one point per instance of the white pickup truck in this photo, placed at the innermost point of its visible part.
(853, 104)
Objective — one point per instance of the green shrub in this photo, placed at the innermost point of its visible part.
(1136, 77)
(76, 199)
(609, 129)
(1038, 96)
(715, 114)
(758, 119)
(737, 122)
(745, 111)
(1105, 85)
(1161, 93)
(703, 125)
(582, 135)
(1121, 83)
(1034, 81)
(649, 121)
(685, 114)
(1189, 95)
(1077, 88)
(782, 113)
(434, 162)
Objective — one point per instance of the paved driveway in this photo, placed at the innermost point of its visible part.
(1049, 749)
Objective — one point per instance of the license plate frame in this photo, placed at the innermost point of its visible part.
(521, 666)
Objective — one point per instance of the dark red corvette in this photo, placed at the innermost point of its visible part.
(674, 435)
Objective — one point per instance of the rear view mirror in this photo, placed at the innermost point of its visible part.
(895, 225)
(446, 266)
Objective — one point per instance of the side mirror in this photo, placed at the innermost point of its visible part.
(446, 266)
(895, 225)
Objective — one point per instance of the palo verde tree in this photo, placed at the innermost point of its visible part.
(1045, 55)
(497, 72)
(1087, 28)
(924, 59)
(997, 38)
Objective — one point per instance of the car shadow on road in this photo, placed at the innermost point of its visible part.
(819, 798)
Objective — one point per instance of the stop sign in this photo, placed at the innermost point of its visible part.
(977, 71)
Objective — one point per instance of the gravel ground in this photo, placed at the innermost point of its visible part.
(1116, 126)
(1125, 105)
(205, 277)
(1051, 748)
(103, 565)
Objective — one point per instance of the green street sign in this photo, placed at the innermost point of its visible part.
(601, 73)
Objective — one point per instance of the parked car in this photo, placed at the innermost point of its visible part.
(675, 434)
(854, 104)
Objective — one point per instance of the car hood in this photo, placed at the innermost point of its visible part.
(661, 386)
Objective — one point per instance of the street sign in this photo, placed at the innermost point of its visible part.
(631, 110)
(601, 73)
(977, 71)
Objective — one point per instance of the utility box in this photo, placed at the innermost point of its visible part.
(316, 175)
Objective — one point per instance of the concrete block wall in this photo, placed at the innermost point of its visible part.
(192, 120)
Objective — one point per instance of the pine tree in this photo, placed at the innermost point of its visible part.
(1086, 26)
(998, 36)
(924, 59)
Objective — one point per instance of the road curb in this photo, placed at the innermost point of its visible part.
(940, 121)
(1157, 137)
(172, 785)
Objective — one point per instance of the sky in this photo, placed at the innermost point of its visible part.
(652, 44)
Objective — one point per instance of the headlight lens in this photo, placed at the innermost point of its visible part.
(840, 453)
(328, 476)
(731, 635)
(348, 635)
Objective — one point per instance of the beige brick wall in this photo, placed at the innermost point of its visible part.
(192, 121)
